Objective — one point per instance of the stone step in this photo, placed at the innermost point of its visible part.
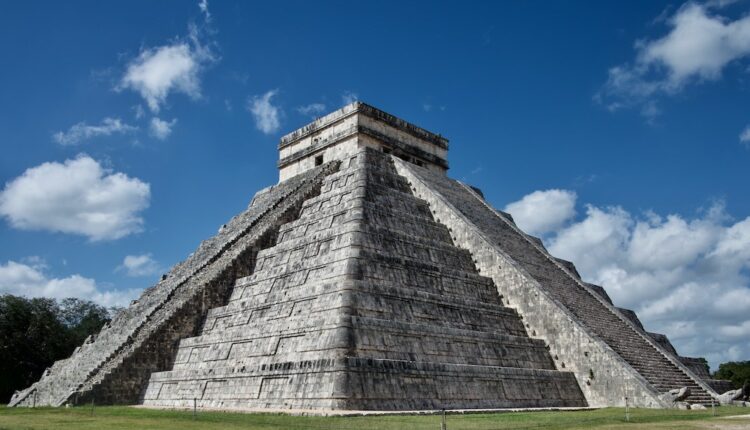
(560, 280)
(405, 309)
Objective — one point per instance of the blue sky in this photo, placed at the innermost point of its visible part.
(614, 130)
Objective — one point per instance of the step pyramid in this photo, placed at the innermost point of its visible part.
(366, 279)
(364, 303)
(114, 365)
(635, 365)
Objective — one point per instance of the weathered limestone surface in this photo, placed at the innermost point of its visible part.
(369, 281)
(698, 366)
(364, 303)
(114, 365)
(611, 357)
(357, 125)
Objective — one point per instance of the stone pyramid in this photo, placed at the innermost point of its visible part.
(368, 280)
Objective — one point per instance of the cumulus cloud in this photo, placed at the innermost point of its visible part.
(161, 129)
(31, 281)
(82, 131)
(543, 211)
(732, 247)
(687, 277)
(312, 110)
(175, 67)
(670, 242)
(745, 136)
(699, 46)
(78, 196)
(266, 115)
(139, 265)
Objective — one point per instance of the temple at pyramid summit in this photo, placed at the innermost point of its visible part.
(368, 279)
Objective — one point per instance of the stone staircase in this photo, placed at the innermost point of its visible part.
(588, 307)
(364, 303)
(112, 365)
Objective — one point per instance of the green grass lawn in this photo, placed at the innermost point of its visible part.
(117, 417)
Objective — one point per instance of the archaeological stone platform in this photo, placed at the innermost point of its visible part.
(367, 279)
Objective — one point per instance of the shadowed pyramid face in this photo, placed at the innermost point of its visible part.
(364, 303)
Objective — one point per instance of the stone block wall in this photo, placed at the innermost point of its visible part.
(363, 303)
(604, 375)
(114, 363)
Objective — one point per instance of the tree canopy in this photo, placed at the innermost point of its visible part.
(34, 333)
(736, 371)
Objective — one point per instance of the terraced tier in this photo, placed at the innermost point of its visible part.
(364, 303)
(114, 365)
(560, 280)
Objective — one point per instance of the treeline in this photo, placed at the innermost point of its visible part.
(736, 371)
(34, 333)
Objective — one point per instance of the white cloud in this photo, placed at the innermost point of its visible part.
(686, 277)
(138, 111)
(31, 281)
(312, 110)
(543, 211)
(78, 196)
(745, 135)
(203, 6)
(82, 131)
(349, 97)
(732, 247)
(596, 240)
(139, 265)
(698, 47)
(158, 71)
(428, 107)
(161, 129)
(170, 68)
(735, 330)
(266, 115)
(669, 243)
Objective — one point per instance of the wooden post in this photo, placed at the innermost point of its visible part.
(627, 410)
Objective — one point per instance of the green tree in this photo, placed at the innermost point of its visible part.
(34, 333)
(736, 371)
(82, 318)
(31, 338)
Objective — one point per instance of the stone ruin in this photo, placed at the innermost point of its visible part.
(367, 279)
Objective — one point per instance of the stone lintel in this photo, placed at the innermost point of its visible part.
(361, 129)
(369, 111)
